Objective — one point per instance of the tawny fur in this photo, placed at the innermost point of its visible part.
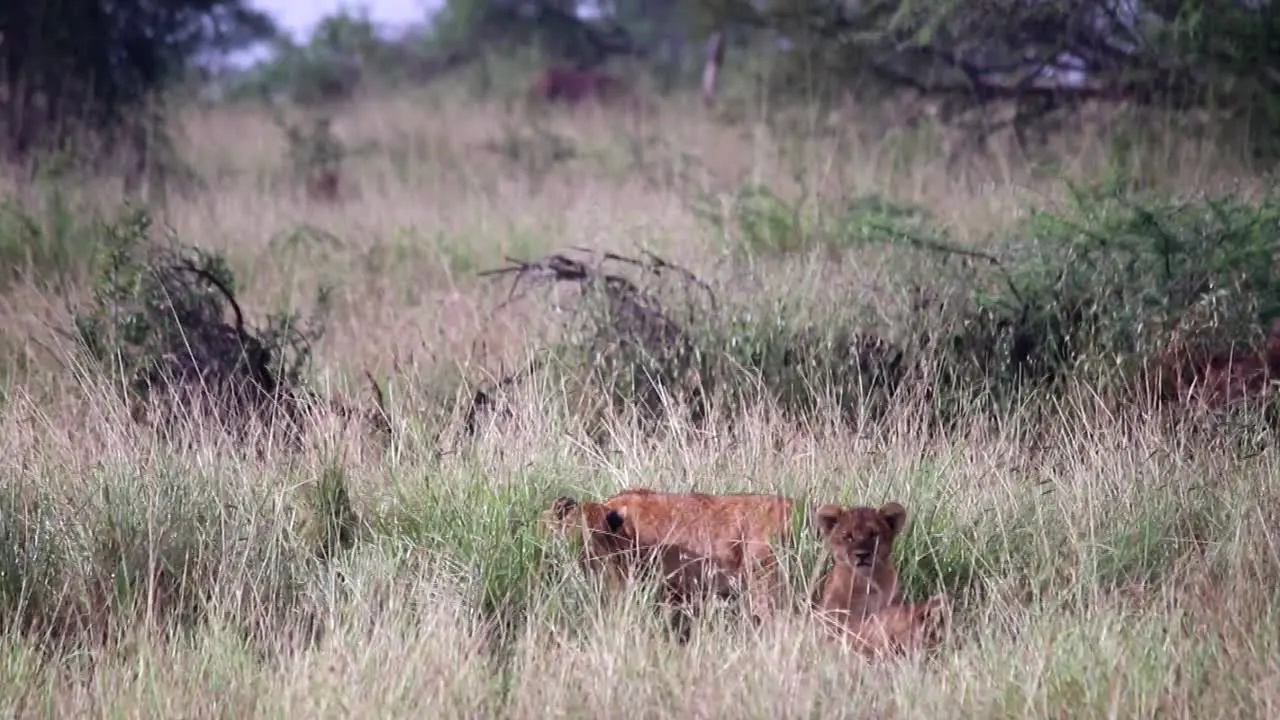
(604, 549)
(900, 629)
(863, 578)
(719, 545)
(860, 596)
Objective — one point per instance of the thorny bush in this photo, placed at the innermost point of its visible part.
(165, 317)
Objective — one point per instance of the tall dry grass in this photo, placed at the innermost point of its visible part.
(1110, 568)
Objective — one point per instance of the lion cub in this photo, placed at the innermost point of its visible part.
(860, 595)
(719, 545)
(599, 528)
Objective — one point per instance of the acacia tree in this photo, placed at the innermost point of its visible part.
(1042, 54)
(69, 65)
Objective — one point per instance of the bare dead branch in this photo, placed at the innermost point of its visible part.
(635, 318)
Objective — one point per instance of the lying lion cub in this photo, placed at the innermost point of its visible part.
(860, 595)
(712, 544)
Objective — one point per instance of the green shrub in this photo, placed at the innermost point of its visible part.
(1096, 290)
(1091, 293)
(159, 319)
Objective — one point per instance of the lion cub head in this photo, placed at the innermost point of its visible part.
(600, 529)
(860, 540)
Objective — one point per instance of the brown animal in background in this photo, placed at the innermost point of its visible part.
(1220, 379)
(860, 596)
(717, 545)
(575, 86)
(322, 186)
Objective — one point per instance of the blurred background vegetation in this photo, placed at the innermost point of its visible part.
(71, 66)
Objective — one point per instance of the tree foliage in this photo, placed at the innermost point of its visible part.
(556, 26)
(1043, 54)
(70, 64)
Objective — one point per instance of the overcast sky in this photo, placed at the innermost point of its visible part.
(298, 17)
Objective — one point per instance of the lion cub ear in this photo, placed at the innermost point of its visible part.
(895, 516)
(826, 518)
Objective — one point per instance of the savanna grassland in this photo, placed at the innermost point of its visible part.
(1105, 560)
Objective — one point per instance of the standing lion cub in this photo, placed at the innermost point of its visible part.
(860, 596)
(717, 545)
